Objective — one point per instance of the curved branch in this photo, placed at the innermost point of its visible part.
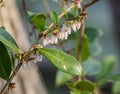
(89, 4)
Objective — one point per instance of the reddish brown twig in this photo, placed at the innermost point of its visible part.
(89, 4)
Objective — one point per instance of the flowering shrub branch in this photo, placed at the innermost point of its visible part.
(51, 35)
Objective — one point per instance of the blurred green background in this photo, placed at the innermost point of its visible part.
(100, 15)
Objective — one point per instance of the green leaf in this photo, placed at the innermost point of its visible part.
(62, 78)
(95, 48)
(91, 67)
(54, 16)
(62, 61)
(11, 57)
(85, 48)
(71, 86)
(108, 64)
(5, 62)
(84, 86)
(2, 28)
(93, 34)
(38, 19)
(30, 15)
(73, 36)
(7, 40)
(75, 11)
(70, 16)
(87, 87)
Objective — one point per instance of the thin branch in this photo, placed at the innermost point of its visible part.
(81, 33)
(24, 5)
(18, 66)
(79, 54)
(11, 77)
(60, 16)
(89, 4)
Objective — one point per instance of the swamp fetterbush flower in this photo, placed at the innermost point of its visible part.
(65, 35)
(24, 66)
(79, 5)
(61, 34)
(73, 26)
(44, 41)
(53, 39)
(69, 30)
(78, 25)
(38, 58)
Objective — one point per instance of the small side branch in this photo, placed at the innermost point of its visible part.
(89, 4)
(81, 33)
(11, 78)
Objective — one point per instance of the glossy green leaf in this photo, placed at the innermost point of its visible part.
(95, 48)
(38, 19)
(85, 48)
(62, 78)
(93, 34)
(73, 36)
(70, 15)
(71, 86)
(2, 28)
(91, 67)
(87, 87)
(54, 16)
(75, 11)
(5, 62)
(62, 61)
(7, 40)
(30, 15)
(108, 64)
(84, 86)
(10, 52)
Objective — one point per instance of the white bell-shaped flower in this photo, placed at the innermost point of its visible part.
(69, 30)
(44, 41)
(79, 5)
(78, 25)
(73, 26)
(55, 40)
(38, 58)
(65, 35)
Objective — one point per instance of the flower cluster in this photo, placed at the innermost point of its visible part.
(33, 59)
(62, 33)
